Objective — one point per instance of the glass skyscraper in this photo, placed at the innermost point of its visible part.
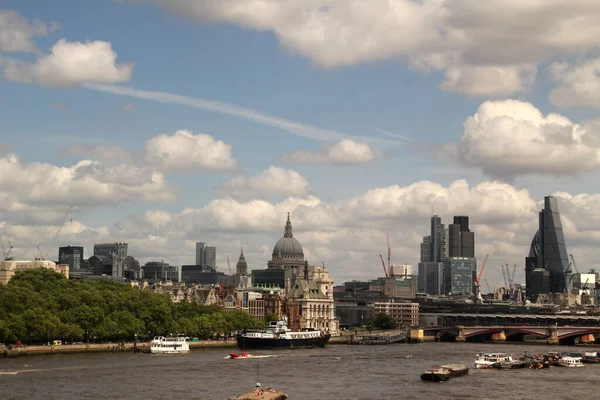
(548, 250)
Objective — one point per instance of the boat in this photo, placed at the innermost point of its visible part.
(569, 361)
(169, 345)
(513, 364)
(243, 354)
(590, 357)
(487, 360)
(457, 369)
(436, 374)
(278, 335)
(262, 394)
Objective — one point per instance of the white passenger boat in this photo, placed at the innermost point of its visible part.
(169, 345)
(488, 360)
(569, 361)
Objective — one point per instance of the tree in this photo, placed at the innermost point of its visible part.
(384, 321)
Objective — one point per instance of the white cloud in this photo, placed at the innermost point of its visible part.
(17, 31)
(272, 181)
(292, 127)
(71, 64)
(511, 138)
(347, 235)
(346, 151)
(186, 152)
(576, 84)
(87, 183)
(455, 36)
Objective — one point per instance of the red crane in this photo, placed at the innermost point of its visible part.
(478, 277)
(383, 264)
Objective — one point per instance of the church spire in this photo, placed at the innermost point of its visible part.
(288, 228)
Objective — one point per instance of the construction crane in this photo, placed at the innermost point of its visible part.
(383, 264)
(505, 277)
(6, 253)
(488, 286)
(512, 278)
(55, 236)
(228, 264)
(478, 297)
(389, 267)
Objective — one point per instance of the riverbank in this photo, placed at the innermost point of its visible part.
(18, 351)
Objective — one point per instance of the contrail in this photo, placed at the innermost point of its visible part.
(295, 128)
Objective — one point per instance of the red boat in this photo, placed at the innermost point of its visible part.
(239, 355)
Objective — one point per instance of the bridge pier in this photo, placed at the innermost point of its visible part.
(553, 335)
(461, 335)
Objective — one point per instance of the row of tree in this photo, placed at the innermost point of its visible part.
(40, 305)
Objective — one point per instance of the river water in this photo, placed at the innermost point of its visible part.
(336, 372)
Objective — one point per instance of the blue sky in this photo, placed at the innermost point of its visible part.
(331, 70)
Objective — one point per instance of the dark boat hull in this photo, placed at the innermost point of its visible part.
(276, 343)
(427, 376)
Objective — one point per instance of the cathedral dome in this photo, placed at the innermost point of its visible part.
(288, 246)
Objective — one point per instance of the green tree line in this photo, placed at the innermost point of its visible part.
(40, 305)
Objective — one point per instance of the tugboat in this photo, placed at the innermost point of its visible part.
(243, 354)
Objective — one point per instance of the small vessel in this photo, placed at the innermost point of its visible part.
(169, 345)
(243, 354)
(514, 364)
(457, 369)
(590, 357)
(488, 360)
(436, 374)
(569, 361)
(262, 394)
(279, 335)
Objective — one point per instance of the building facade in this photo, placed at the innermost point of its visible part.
(71, 255)
(458, 275)
(200, 253)
(461, 241)
(210, 256)
(405, 314)
(118, 249)
(548, 250)
(9, 267)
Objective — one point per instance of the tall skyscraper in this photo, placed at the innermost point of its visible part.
(548, 252)
(210, 256)
(200, 253)
(433, 253)
(461, 241)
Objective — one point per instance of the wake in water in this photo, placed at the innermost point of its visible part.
(253, 356)
(22, 371)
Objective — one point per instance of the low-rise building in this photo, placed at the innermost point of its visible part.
(9, 267)
(403, 313)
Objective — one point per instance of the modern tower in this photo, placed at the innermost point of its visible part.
(72, 255)
(200, 253)
(461, 241)
(548, 251)
(433, 253)
(210, 257)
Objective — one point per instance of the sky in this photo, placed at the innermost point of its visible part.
(166, 122)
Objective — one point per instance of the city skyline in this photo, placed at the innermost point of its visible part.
(216, 125)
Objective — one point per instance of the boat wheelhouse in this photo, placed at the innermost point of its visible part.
(488, 360)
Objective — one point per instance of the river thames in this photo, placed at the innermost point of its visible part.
(336, 372)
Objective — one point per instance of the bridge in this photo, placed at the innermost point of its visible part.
(552, 334)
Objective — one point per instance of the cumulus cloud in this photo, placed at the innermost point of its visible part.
(577, 84)
(87, 183)
(346, 151)
(71, 64)
(272, 181)
(185, 151)
(348, 235)
(454, 36)
(17, 31)
(511, 138)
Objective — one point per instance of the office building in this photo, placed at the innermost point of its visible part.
(200, 253)
(72, 255)
(461, 241)
(210, 257)
(433, 253)
(548, 251)
(458, 275)
(118, 249)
